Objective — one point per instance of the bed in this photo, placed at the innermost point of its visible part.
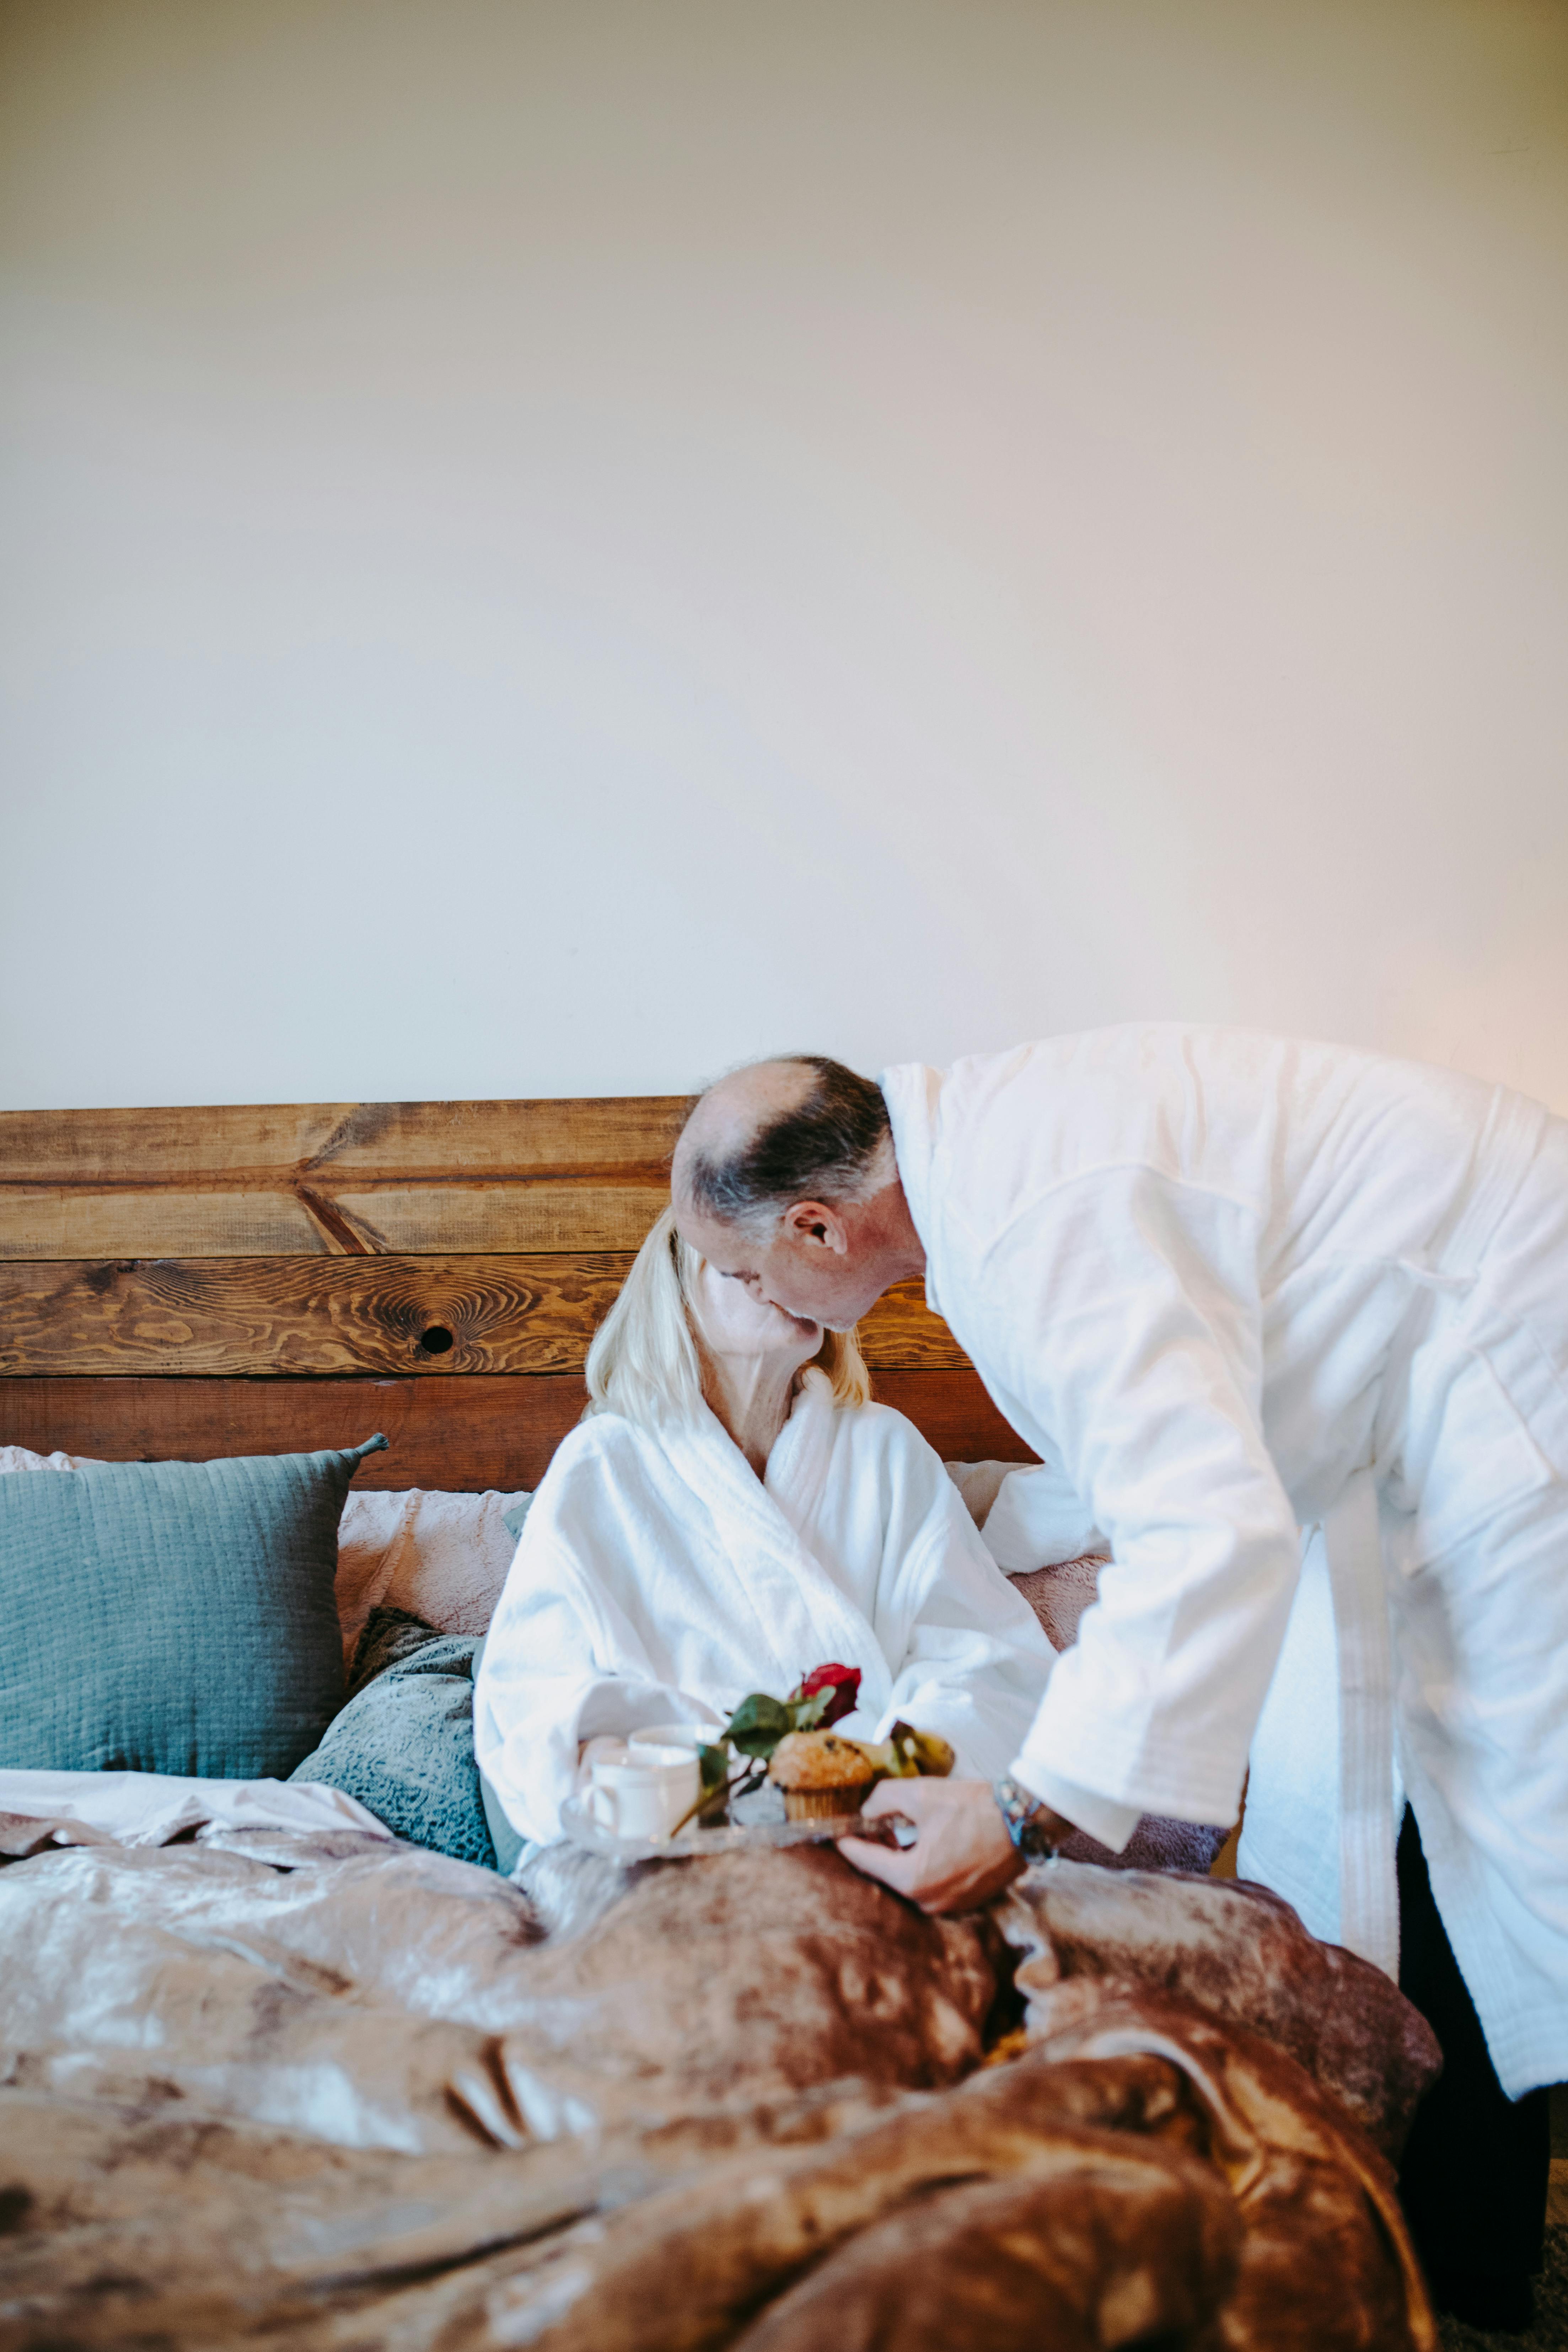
(311, 2083)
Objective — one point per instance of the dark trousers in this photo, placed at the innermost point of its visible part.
(1475, 2173)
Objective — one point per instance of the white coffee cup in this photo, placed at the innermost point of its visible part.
(643, 1793)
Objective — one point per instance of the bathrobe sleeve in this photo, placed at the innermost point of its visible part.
(968, 1657)
(554, 1673)
(1122, 1313)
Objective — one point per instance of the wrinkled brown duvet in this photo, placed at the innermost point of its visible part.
(334, 2094)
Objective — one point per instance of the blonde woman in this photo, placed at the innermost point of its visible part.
(731, 1511)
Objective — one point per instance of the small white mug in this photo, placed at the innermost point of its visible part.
(644, 1793)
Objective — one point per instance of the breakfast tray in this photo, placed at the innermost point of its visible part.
(760, 1824)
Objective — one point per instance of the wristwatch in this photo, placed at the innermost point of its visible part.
(1021, 1809)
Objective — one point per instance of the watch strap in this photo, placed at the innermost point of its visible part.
(1020, 1809)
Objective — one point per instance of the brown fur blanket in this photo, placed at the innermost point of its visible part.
(340, 2095)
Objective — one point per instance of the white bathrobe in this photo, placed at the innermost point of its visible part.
(658, 1579)
(1244, 1295)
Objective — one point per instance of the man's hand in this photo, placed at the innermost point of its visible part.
(963, 1855)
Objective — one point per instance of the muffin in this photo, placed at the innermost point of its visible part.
(821, 1775)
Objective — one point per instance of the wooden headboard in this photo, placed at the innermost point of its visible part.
(181, 1283)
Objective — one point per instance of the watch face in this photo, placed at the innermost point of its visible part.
(1016, 1805)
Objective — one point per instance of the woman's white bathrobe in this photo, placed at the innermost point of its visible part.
(1241, 1296)
(658, 1579)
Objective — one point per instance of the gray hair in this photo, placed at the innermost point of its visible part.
(833, 1145)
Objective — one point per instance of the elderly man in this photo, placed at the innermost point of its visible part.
(1288, 1325)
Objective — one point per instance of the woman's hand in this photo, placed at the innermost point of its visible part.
(963, 1855)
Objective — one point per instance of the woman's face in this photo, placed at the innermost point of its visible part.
(730, 1322)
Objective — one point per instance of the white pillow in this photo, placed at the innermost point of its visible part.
(1035, 1531)
(441, 1557)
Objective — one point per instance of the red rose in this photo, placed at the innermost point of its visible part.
(843, 1682)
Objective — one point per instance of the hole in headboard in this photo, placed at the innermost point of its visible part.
(435, 1341)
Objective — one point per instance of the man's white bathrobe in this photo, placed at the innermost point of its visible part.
(1243, 1295)
(658, 1579)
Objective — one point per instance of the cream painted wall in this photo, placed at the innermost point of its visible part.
(548, 545)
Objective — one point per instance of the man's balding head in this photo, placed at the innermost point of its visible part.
(777, 1133)
(784, 1177)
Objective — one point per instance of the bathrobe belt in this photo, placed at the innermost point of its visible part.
(1369, 1900)
(1352, 1540)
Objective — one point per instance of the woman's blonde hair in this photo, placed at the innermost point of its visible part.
(644, 1363)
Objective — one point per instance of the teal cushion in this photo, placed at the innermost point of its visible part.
(172, 1616)
(404, 1745)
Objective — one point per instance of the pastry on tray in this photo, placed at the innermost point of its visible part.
(821, 1774)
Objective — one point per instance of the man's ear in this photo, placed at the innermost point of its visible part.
(819, 1226)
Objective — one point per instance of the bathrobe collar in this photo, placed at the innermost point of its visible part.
(912, 1092)
(760, 1526)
